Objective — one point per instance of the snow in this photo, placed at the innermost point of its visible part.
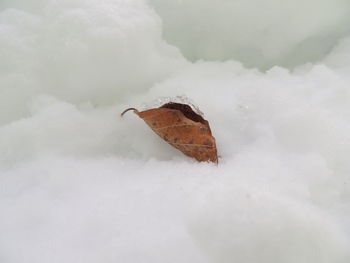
(258, 33)
(78, 183)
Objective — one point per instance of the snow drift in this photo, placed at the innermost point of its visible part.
(79, 184)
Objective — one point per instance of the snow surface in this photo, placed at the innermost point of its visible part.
(80, 184)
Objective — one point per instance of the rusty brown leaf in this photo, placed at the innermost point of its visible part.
(182, 128)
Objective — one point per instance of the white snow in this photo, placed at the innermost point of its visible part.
(257, 32)
(80, 184)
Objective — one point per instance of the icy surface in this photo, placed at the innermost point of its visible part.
(80, 184)
(183, 99)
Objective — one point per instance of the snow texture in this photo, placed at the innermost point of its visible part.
(80, 184)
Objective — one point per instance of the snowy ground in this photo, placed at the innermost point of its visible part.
(80, 184)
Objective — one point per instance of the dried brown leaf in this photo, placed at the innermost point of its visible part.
(182, 128)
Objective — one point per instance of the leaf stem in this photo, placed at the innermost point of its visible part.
(135, 110)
